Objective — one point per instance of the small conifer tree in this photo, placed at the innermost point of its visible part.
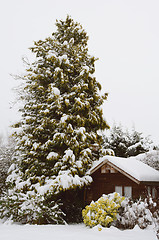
(126, 143)
(57, 137)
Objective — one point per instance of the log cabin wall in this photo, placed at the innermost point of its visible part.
(104, 181)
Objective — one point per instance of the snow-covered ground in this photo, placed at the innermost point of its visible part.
(72, 232)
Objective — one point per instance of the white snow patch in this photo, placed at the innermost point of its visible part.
(72, 41)
(35, 146)
(67, 101)
(69, 154)
(86, 68)
(80, 30)
(52, 155)
(56, 91)
(63, 58)
(65, 43)
(46, 111)
(51, 54)
(70, 232)
(57, 69)
(64, 118)
(67, 181)
(82, 72)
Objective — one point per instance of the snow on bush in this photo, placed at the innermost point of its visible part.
(102, 212)
(153, 206)
(133, 213)
(121, 212)
(30, 208)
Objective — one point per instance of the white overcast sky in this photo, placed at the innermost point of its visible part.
(124, 35)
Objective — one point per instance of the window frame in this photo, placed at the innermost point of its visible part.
(122, 190)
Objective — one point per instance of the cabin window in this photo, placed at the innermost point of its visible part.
(128, 191)
(149, 190)
(103, 169)
(107, 169)
(113, 170)
(118, 189)
(153, 192)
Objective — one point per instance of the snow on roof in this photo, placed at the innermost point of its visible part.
(131, 166)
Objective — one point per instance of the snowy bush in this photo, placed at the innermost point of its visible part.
(103, 211)
(153, 206)
(32, 209)
(133, 213)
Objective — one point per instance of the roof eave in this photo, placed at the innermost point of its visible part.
(154, 183)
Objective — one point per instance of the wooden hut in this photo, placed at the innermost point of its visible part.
(127, 176)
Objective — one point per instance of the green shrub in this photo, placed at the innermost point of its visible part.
(31, 209)
(103, 211)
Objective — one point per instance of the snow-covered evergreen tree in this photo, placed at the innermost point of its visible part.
(6, 152)
(138, 143)
(57, 138)
(116, 140)
(126, 143)
(151, 158)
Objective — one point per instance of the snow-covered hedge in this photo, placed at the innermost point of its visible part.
(103, 211)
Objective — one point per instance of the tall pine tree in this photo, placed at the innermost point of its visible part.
(57, 138)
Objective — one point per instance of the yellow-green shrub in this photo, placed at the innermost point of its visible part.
(103, 211)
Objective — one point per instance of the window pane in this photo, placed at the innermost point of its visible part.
(153, 192)
(149, 190)
(118, 189)
(103, 169)
(113, 170)
(128, 191)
